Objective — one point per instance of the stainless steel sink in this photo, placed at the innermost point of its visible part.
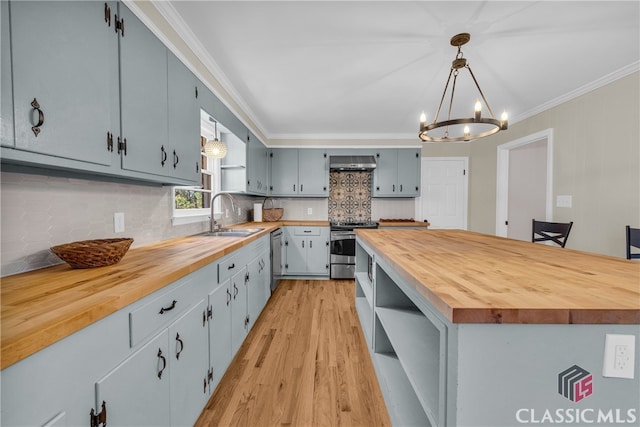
(231, 232)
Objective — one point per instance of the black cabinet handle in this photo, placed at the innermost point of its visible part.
(176, 159)
(231, 267)
(164, 363)
(171, 307)
(163, 155)
(179, 341)
(235, 291)
(301, 190)
(107, 14)
(228, 297)
(36, 107)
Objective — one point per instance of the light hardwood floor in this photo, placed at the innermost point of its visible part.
(304, 363)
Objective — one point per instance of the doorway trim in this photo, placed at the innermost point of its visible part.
(465, 189)
(502, 177)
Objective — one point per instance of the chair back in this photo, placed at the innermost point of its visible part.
(633, 240)
(556, 232)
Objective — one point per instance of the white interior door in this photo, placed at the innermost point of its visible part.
(444, 192)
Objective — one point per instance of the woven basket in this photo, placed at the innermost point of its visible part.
(271, 214)
(93, 253)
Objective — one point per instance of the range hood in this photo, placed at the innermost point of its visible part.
(352, 163)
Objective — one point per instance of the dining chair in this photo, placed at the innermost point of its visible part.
(633, 241)
(556, 232)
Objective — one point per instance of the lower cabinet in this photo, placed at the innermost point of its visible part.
(165, 381)
(306, 251)
(155, 362)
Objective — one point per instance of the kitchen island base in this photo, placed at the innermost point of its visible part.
(436, 372)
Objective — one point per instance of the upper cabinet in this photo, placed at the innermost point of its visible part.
(257, 166)
(299, 172)
(397, 173)
(95, 91)
(65, 79)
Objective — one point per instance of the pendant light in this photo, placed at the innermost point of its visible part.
(481, 126)
(215, 148)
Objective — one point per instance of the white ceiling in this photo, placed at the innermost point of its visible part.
(366, 69)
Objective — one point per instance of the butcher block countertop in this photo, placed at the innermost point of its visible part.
(401, 223)
(44, 306)
(477, 278)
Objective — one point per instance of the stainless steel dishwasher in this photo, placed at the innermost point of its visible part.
(276, 258)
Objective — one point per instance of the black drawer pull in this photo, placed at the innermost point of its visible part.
(171, 307)
(231, 267)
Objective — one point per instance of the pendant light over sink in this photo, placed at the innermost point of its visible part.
(473, 127)
(215, 148)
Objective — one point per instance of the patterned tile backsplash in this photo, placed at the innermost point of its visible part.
(350, 196)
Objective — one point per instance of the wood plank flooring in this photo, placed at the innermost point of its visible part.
(304, 363)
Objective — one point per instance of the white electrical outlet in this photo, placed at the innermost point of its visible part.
(226, 213)
(118, 222)
(564, 201)
(309, 211)
(619, 356)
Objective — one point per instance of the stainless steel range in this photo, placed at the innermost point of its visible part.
(343, 248)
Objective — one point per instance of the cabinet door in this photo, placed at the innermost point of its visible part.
(6, 89)
(65, 56)
(284, 172)
(257, 288)
(318, 255)
(184, 122)
(386, 173)
(238, 291)
(296, 254)
(189, 359)
(408, 173)
(313, 172)
(137, 392)
(143, 87)
(219, 332)
(256, 166)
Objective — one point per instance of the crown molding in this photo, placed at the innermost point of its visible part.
(598, 83)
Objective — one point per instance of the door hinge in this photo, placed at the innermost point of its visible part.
(119, 25)
(506, 223)
(210, 312)
(210, 375)
(196, 92)
(464, 171)
(100, 419)
(246, 278)
(122, 146)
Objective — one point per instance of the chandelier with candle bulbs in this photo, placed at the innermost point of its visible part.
(473, 127)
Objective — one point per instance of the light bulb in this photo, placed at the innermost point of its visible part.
(504, 121)
(477, 110)
(423, 121)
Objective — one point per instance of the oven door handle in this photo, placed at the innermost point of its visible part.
(342, 235)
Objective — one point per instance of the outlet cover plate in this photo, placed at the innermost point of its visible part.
(118, 222)
(619, 356)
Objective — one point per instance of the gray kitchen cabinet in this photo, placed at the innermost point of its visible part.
(144, 98)
(6, 89)
(219, 333)
(397, 173)
(184, 121)
(101, 94)
(299, 172)
(257, 162)
(239, 327)
(306, 251)
(138, 390)
(258, 285)
(65, 75)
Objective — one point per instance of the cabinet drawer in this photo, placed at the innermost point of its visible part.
(228, 267)
(306, 231)
(158, 313)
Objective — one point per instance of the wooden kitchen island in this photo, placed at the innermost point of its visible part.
(467, 329)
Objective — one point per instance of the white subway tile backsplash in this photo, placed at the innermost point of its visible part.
(41, 211)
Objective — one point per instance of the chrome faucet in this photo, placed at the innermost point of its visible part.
(214, 224)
